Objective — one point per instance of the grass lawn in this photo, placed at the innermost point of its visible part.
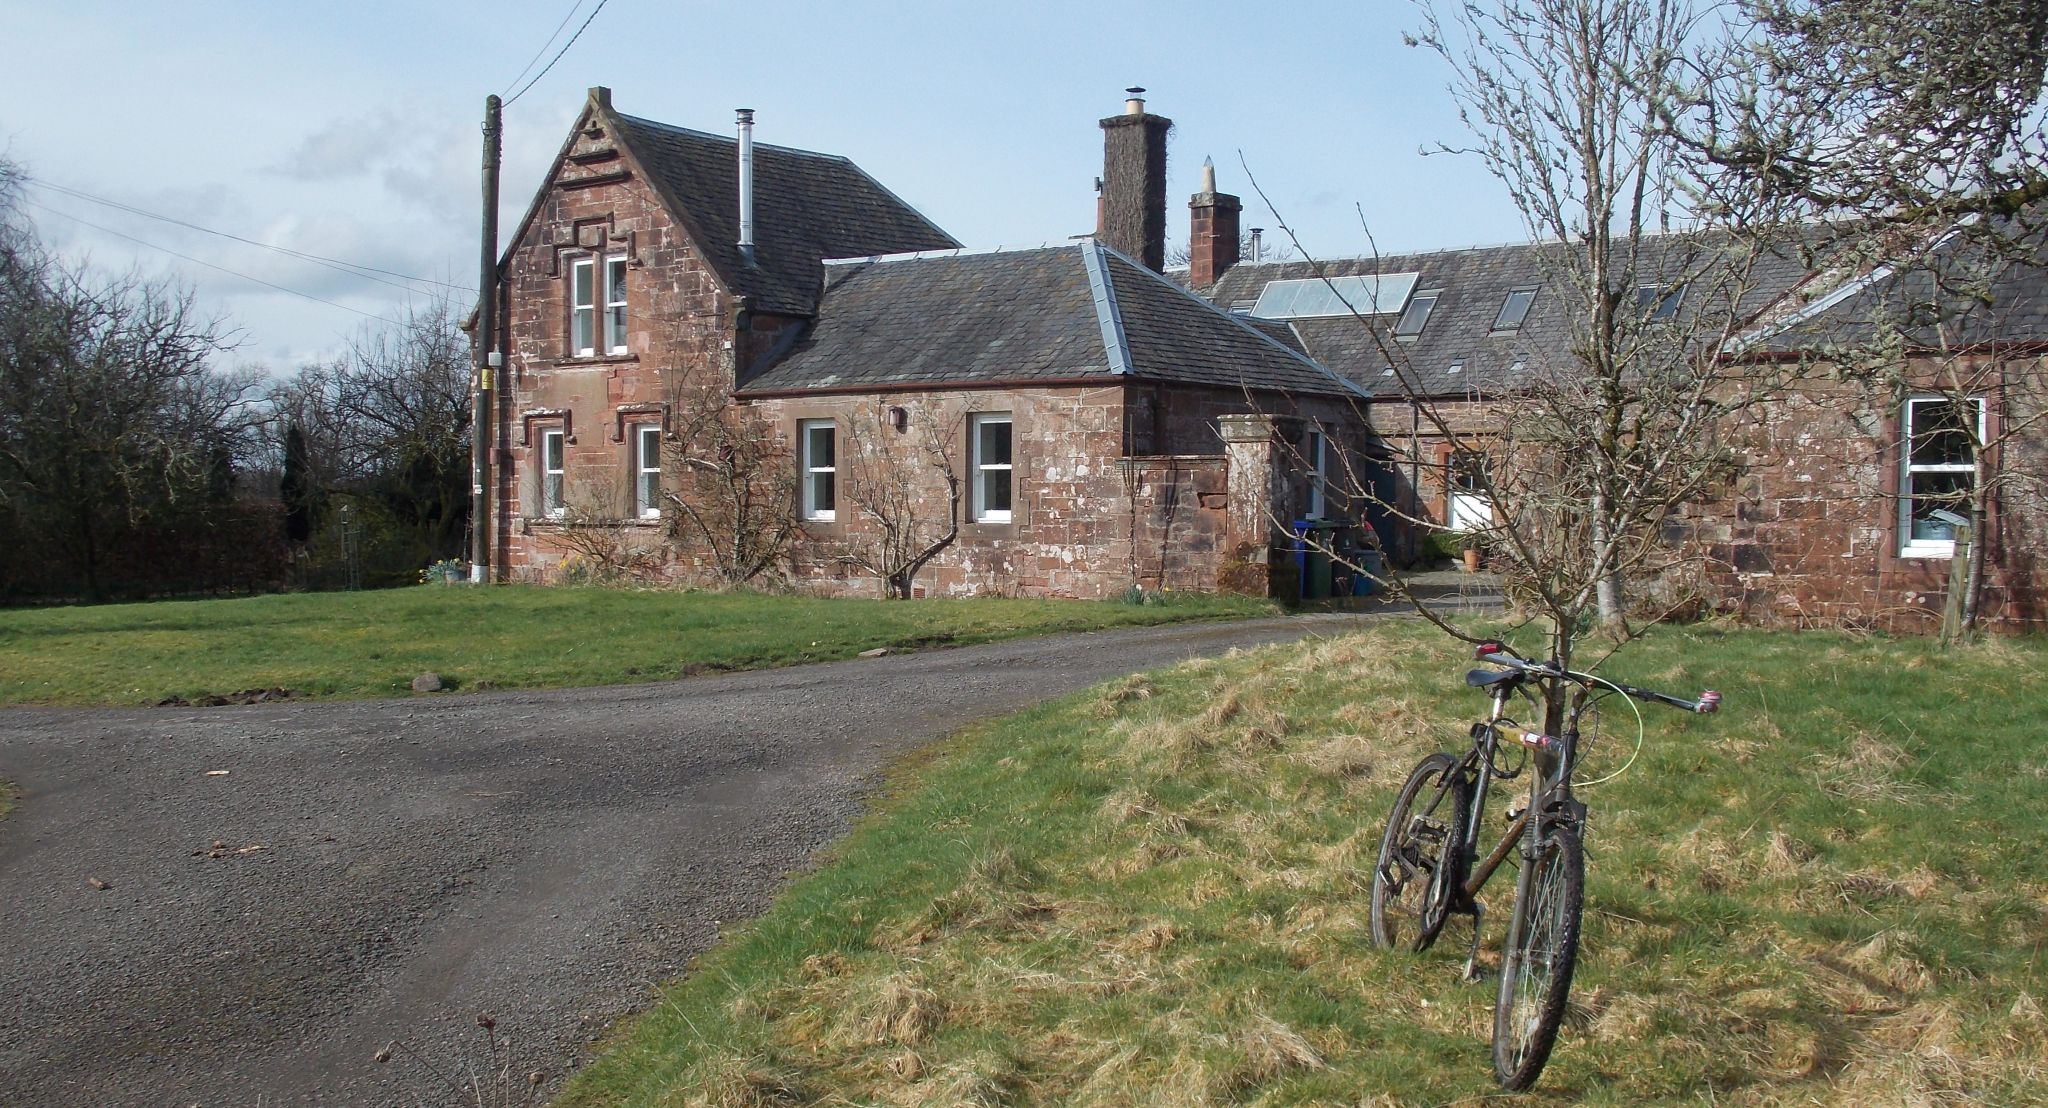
(375, 643)
(1155, 894)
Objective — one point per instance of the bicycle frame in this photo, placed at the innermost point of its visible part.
(1550, 791)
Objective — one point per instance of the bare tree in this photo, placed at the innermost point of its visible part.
(734, 492)
(389, 422)
(604, 548)
(897, 473)
(111, 415)
(1606, 434)
(1913, 130)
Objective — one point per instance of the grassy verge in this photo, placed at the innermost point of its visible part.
(374, 643)
(1156, 894)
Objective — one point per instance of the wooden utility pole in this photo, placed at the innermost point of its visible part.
(488, 359)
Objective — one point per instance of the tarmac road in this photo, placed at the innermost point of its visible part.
(243, 905)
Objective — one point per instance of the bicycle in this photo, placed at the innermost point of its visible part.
(1427, 868)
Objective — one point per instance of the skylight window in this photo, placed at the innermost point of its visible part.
(1315, 298)
(1658, 303)
(1514, 309)
(1416, 317)
(1457, 367)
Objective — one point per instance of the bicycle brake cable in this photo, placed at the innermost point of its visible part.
(1631, 701)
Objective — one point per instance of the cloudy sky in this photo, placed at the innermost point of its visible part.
(350, 131)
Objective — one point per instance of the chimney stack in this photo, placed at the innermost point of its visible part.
(1133, 210)
(1212, 231)
(746, 243)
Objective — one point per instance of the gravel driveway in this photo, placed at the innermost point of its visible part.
(241, 906)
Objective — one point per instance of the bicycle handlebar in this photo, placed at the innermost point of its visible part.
(1708, 703)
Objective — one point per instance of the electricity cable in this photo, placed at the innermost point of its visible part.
(552, 36)
(353, 269)
(558, 54)
(224, 269)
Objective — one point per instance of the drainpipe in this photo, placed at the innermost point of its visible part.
(746, 123)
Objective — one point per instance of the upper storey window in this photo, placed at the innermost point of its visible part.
(1514, 310)
(585, 292)
(1416, 316)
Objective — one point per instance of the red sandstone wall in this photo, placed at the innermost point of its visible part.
(1084, 523)
(1809, 535)
(679, 335)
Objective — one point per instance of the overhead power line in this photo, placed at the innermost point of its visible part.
(200, 261)
(558, 54)
(353, 269)
(552, 36)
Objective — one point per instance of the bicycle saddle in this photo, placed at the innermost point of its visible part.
(1484, 678)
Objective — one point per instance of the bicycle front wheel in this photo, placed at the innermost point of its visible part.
(1536, 964)
(1414, 879)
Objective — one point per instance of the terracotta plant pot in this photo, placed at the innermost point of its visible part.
(1471, 560)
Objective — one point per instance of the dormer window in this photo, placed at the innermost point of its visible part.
(1514, 310)
(1658, 303)
(583, 306)
(1416, 316)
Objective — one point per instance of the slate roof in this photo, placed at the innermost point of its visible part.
(807, 207)
(1078, 311)
(1459, 352)
(1831, 314)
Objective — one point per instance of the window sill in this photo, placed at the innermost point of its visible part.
(1928, 554)
(566, 524)
(578, 361)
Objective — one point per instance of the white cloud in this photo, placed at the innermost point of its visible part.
(347, 147)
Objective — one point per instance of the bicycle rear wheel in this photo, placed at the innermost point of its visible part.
(1415, 877)
(1537, 961)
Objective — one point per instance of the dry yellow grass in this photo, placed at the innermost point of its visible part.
(1156, 895)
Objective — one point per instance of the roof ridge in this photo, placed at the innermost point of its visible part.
(731, 139)
(1116, 346)
(955, 252)
(1346, 383)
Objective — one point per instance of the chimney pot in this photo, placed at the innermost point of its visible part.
(1212, 231)
(746, 184)
(1135, 105)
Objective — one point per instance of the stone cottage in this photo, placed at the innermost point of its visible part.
(720, 352)
(1833, 517)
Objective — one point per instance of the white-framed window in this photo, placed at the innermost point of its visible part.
(989, 445)
(615, 304)
(1315, 459)
(1467, 506)
(552, 503)
(647, 471)
(1938, 441)
(583, 306)
(818, 449)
